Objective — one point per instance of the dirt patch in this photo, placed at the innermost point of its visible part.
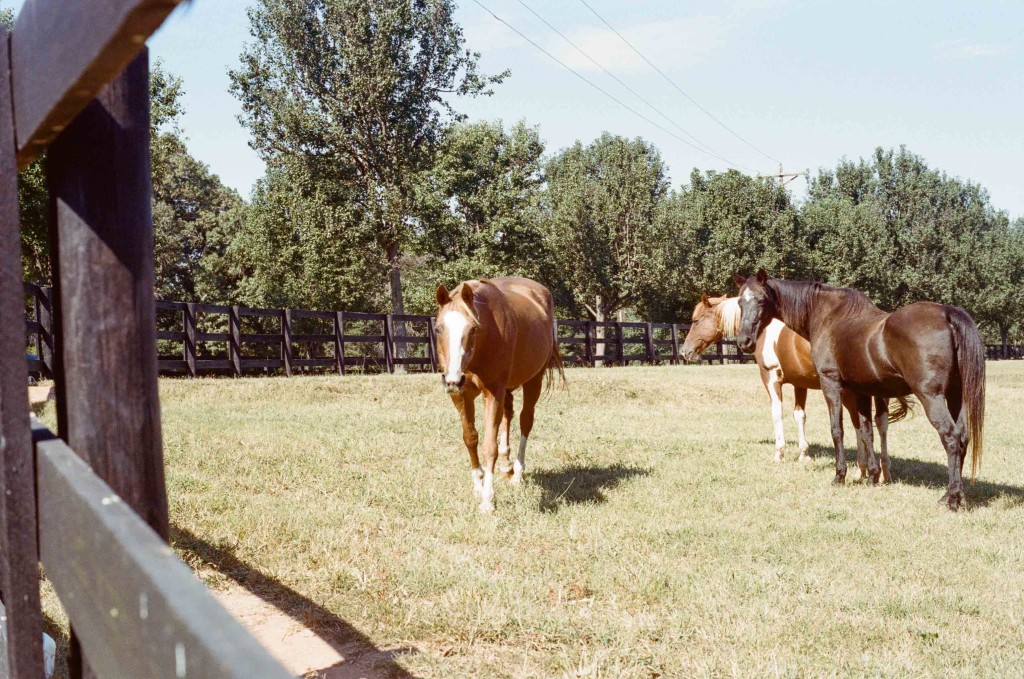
(305, 652)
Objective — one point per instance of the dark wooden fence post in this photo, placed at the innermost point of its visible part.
(675, 344)
(339, 341)
(190, 338)
(388, 345)
(235, 340)
(621, 354)
(589, 334)
(102, 253)
(432, 345)
(286, 341)
(19, 568)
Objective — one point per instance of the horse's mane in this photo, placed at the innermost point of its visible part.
(803, 295)
(729, 317)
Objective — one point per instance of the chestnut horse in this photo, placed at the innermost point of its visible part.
(493, 337)
(783, 357)
(933, 351)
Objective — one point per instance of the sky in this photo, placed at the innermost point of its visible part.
(804, 82)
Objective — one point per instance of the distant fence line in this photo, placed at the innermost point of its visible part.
(196, 338)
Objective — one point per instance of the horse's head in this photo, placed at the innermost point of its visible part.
(757, 308)
(456, 328)
(705, 328)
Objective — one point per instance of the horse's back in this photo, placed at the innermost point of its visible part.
(531, 309)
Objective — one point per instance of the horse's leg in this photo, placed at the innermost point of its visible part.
(531, 394)
(465, 403)
(937, 410)
(774, 386)
(504, 433)
(494, 402)
(800, 415)
(833, 399)
(866, 433)
(850, 403)
(882, 422)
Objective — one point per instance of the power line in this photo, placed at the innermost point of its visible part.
(673, 83)
(616, 78)
(605, 92)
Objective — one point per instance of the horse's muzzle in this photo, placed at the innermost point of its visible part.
(453, 387)
(745, 344)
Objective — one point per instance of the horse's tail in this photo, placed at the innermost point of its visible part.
(970, 356)
(903, 407)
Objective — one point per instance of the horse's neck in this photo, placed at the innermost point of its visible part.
(802, 305)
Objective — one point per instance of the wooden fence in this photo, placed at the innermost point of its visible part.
(91, 505)
(199, 339)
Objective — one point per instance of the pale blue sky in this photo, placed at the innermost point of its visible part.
(806, 81)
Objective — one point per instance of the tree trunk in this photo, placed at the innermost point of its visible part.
(397, 304)
(599, 334)
(1004, 330)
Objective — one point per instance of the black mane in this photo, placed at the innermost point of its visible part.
(802, 296)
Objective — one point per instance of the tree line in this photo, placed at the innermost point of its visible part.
(377, 189)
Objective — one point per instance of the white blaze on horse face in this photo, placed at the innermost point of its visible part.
(748, 295)
(455, 323)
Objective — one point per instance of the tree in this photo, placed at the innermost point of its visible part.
(921, 233)
(599, 222)
(188, 200)
(360, 88)
(481, 201)
(300, 243)
(719, 224)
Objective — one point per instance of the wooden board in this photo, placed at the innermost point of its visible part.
(136, 607)
(62, 55)
(19, 571)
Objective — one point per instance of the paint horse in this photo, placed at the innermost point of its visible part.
(782, 357)
(495, 336)
(933, 351)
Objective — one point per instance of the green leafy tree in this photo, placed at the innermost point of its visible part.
(301, 243)
(361, 89)
(599, 223)
(718, 224)
(907, 232)
(481, 201)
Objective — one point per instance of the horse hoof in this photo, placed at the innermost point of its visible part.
(516, 479)
(839, 480)
(486, 507)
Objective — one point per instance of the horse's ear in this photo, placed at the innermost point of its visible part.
(442, 295)
(739, 280)
(762, 276)
(467, 295)
(704, 299)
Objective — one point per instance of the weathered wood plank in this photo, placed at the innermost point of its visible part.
(19, 569)
(138, 609)
(98, 171)
(235, 340)
(62, 55)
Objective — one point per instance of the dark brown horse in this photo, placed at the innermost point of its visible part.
(933, 351)
(783, 357)
(493, 337)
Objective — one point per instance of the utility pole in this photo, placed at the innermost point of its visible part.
(786, 177)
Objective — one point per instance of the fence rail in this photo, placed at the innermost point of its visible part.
(200, 339)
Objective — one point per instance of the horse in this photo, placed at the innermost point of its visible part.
(933, 351)
(495, 336)
(783, 357)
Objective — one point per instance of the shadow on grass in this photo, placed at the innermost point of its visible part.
(361, 658)
(935, 475)
(581, 484)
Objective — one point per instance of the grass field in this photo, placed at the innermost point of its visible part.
(653, 535)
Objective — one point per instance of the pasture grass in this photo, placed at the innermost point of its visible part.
(653, 535)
